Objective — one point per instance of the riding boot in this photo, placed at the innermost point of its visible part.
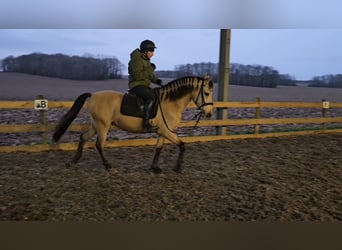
(147, 109)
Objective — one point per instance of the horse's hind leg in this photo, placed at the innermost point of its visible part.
(100, 147)
(83, 139)
(100, 143)
(155, 168)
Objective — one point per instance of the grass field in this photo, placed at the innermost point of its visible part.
(16, 86)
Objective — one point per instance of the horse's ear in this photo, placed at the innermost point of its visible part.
(209, 80)
(207, 77)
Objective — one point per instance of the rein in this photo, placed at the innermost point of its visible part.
(198, 117)
(161, 110)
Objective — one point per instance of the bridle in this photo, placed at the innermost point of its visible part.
(199, 115)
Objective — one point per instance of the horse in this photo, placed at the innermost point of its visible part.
(172, 99)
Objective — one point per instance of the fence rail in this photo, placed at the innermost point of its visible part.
(255, 104)
(45, 128)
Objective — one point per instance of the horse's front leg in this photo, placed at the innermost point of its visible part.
(102, 131)
(159, 146)
(173, 137)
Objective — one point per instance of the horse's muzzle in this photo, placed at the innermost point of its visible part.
(208, 115)
(206, 112)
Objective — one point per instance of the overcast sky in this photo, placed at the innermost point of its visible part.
(170, 14)
(298, 37)
(302, 53)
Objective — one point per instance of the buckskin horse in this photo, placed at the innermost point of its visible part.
(106, 107)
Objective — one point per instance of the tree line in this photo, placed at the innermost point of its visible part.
(240, 74)
(258, 76)
(327, 81)
(88, 67)
(64, 66)
(251, 75)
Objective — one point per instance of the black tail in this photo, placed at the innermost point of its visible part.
(67, 119)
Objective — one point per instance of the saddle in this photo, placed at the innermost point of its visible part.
(133, 105)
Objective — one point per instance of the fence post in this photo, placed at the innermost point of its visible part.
(42, 118)
(257, 116)
(223, 77)
(325, 107)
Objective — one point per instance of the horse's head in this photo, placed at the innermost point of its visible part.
(204, 98)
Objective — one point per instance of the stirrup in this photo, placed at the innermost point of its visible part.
(148, 128)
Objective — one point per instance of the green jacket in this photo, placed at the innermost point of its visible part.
(140, 70)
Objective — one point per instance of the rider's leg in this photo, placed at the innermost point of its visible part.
(148, 95)
(147, 110)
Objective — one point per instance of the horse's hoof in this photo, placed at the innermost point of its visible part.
(156, 170)
(70, 164)
(113, 171)
(107, 165)
(178, 170)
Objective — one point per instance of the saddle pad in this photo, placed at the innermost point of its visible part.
(133, 106)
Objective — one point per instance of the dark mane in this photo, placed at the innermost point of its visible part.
(180, 87)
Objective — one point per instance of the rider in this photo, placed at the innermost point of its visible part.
(141, 74)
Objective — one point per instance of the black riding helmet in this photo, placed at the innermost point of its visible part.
(147, 45)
